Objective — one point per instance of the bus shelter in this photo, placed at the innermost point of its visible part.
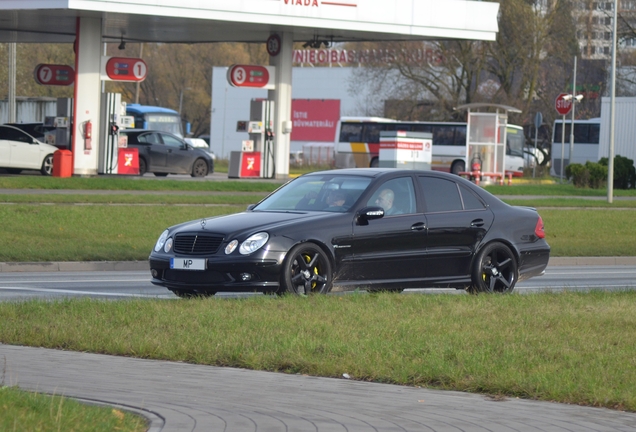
(486, 139)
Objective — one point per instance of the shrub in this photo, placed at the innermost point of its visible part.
(579, 175)
(624, 172)
(598, 174)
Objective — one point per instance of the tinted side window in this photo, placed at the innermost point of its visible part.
(11, 134)
(171, 141)
(471, 202)
(440, 195)
(396, 196)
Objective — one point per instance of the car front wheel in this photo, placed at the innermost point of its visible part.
(495, 270)
(47, 165)
(199, 168)
(306, 270)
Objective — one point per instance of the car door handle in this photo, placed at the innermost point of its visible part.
(418, 226)
(477, 223)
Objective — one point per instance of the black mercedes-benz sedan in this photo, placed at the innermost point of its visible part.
(369, 228)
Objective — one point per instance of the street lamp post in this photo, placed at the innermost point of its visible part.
(610, 162)
(181, 98)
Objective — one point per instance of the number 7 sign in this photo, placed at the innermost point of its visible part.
(123, 69)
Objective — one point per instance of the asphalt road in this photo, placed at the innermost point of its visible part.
(129, 280)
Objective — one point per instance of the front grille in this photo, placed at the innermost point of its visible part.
(197, 243)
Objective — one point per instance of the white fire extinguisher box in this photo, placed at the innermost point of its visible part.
(406, 150)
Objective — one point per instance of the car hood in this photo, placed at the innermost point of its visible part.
(250, 222)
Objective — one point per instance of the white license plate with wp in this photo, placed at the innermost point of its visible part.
(187, 263)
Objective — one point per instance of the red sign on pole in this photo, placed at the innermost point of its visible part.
(50, 74)
(126, 69)
(562, 106)
(251, 76)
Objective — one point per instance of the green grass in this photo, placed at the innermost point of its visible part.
(554, 189)
(572, 348)
(27, 411)
(135, 183)
(217, 198)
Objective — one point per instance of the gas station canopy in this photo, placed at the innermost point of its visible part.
(196, 21)
(90, 23)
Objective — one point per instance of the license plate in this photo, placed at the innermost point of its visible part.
(187, 263)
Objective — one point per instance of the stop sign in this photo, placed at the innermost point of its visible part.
(562, 106)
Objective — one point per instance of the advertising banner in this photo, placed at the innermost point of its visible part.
(315, 119)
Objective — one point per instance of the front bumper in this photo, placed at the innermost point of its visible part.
(244, 275)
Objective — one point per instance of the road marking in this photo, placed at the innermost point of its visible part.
(95, 293)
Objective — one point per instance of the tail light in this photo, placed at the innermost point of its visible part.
(539, 231)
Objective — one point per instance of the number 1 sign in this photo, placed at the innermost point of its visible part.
(125, 69)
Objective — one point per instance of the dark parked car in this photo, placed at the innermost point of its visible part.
(163, 153)
(370, 228)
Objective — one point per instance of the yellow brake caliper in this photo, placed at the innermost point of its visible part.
(308, 259)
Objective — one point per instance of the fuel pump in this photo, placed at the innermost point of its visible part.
(256, 158)
(111, 113)
(263, 111)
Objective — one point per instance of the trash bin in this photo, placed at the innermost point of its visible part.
(62, 163)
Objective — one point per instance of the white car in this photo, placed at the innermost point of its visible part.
(20, 151)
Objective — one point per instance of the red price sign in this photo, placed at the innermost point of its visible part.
(126, 69)
(50, 74)
(251, 76)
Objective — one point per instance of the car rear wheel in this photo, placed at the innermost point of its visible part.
(199, 168)
(306, 270)
(47, 165)
(375, 162)
(143, 168)
(495, 270)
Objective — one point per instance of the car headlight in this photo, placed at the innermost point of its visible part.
(253, 243)
(162, 240)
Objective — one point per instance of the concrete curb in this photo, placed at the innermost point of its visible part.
(74, 266)
(143, 265)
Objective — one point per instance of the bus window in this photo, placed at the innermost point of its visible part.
(460, 136)
(351, 132)
(444, 135)
(595, 133)
(371, 133)
(422, 128)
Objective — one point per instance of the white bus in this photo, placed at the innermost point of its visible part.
(586, 143)
(358, 143)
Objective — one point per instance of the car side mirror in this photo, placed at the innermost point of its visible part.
(251, 206)
(369, 213)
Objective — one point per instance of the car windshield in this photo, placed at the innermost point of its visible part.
(332, 192)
